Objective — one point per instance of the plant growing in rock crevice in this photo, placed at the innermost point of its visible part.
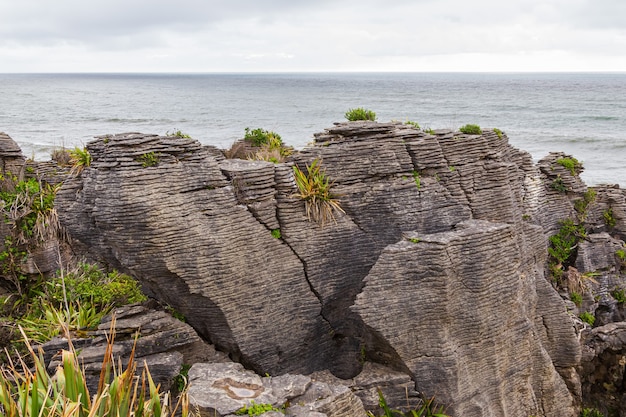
(80, 158)
(27, 207)
(148, 159)
(314, 187)
(558, 184)
(609, 218)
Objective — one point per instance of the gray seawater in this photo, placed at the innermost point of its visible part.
(581, 114)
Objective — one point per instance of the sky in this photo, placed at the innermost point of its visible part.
(312, 35)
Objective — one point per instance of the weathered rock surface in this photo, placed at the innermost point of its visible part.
(224, 388)
(436, 269)
(164, 344)
(603, 368)
(458, 278)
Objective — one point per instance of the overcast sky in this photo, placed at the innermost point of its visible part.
(311, 35)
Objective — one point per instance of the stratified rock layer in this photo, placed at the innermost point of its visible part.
(436, 268)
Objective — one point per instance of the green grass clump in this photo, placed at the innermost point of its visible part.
(417, 179)
(588, 318)
(576, 298)
(571, 164)
(412, 123)
(276, 233)
(470, 129)
(498, 132)
(619, 295)
(360, 113)
(80, 158)
(314, 187)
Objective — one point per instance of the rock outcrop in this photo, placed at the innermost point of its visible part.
(436, 269)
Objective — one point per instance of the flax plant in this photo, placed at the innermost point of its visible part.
(32, 392)
(314, 188)
(80, 158)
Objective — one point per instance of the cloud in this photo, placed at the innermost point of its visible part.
(290, 35)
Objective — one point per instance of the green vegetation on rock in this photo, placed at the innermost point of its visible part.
(360, 113)
(314, 187)
(80, 158)
(470, 129)
(31, 392)
(587, 317)
(571, 164)
(148, 159)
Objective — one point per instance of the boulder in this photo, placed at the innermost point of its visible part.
(221, 389)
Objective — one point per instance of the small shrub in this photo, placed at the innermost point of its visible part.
(571, 164)
(576, 298)
(28, 207)
(587, 317)
(559, 185)
(149, 159)
(563, 244)
(430, 131)
(276, 233)
(471, 129)
(621, 254)
(498, 132)
(591, 412)
(314, 188)
(412, 123)
(609, 219)
(270, 144)
(360, 114)
(582, 205)
(259, 137)
(619, 295)
(179, 134)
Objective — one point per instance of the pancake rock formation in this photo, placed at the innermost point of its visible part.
(436, 268)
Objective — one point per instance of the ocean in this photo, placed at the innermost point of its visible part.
(582, 114)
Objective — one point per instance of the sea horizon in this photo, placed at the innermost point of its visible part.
(579, 113)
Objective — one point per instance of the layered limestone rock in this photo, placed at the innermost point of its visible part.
(471, 279)
(436, 268)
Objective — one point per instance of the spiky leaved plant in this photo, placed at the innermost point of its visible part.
(314, 188)
(32, 392)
